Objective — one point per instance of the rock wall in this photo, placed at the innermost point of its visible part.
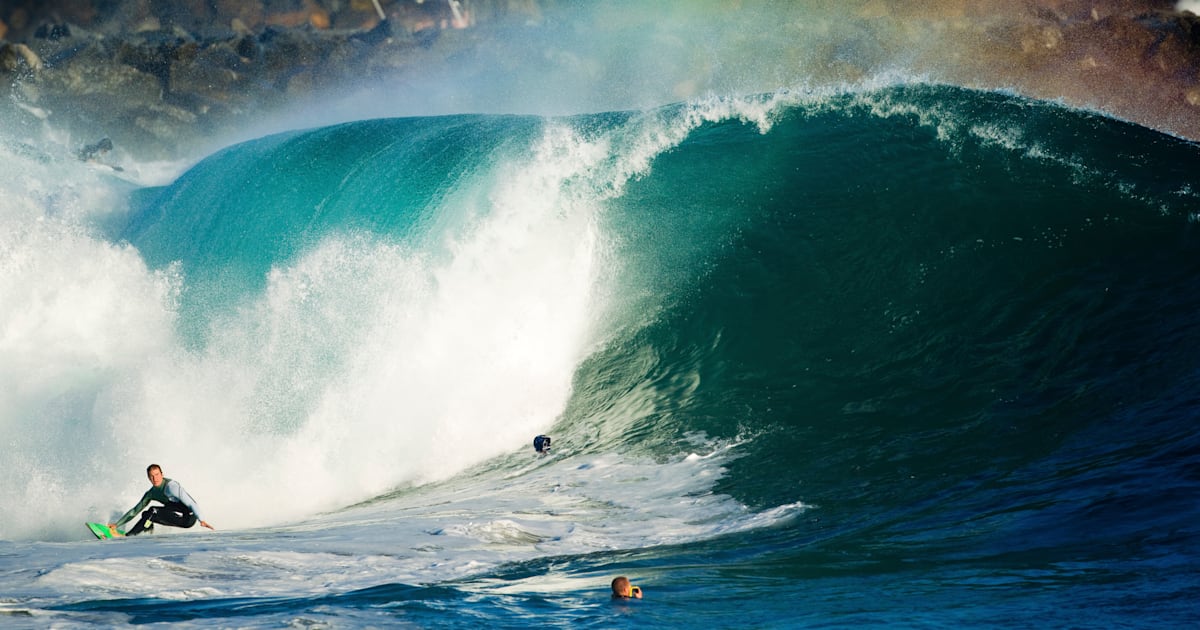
(159, 74)
(1136, 59)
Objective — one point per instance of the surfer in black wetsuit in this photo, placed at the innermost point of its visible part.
(178, 508)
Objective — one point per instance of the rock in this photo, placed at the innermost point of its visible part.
(1040, 41)
(1192, 97)
(319, 19)
(19, 58)
(211, 70)
(18, 20)
(152, 52)
(52, 32)
(98, 91)
(239, 27)
(247, 12)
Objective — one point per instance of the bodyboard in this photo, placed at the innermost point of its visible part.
(101, 530)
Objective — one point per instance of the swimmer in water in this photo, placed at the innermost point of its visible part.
(622, 589)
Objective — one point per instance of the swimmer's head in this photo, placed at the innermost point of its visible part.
(621, 588)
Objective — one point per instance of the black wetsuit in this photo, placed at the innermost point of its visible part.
(178, 509)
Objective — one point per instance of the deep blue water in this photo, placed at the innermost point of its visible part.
(915, 356)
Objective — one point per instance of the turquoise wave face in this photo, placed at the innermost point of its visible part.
(930, 311)
(235, 215)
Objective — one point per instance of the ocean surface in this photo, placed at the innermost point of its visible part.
(901, 355)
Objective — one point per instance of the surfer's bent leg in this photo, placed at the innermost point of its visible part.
(140, 526)
(173, 514)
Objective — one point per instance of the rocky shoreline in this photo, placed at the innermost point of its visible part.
(156, 76)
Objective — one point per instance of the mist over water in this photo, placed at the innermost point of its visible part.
(608, 56)
(612, 56)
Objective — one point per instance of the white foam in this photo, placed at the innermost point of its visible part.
(79, 318)
(466, 527)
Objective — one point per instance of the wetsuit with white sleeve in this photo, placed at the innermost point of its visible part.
(178, 508)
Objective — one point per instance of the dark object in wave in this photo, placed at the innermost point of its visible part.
(93, 151)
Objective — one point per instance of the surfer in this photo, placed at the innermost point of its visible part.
(93, 152)
(622, 589)
(541, 444)
(178, 508)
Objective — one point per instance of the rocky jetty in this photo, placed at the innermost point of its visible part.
(155, 75)
(1135, 59)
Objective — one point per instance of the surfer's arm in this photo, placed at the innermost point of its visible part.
(128, 516)
(176, 491)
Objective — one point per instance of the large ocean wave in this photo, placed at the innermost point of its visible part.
(851, 332)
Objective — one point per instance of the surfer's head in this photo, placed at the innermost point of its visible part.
(154, 474)
(621, 588)
(541, 444)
